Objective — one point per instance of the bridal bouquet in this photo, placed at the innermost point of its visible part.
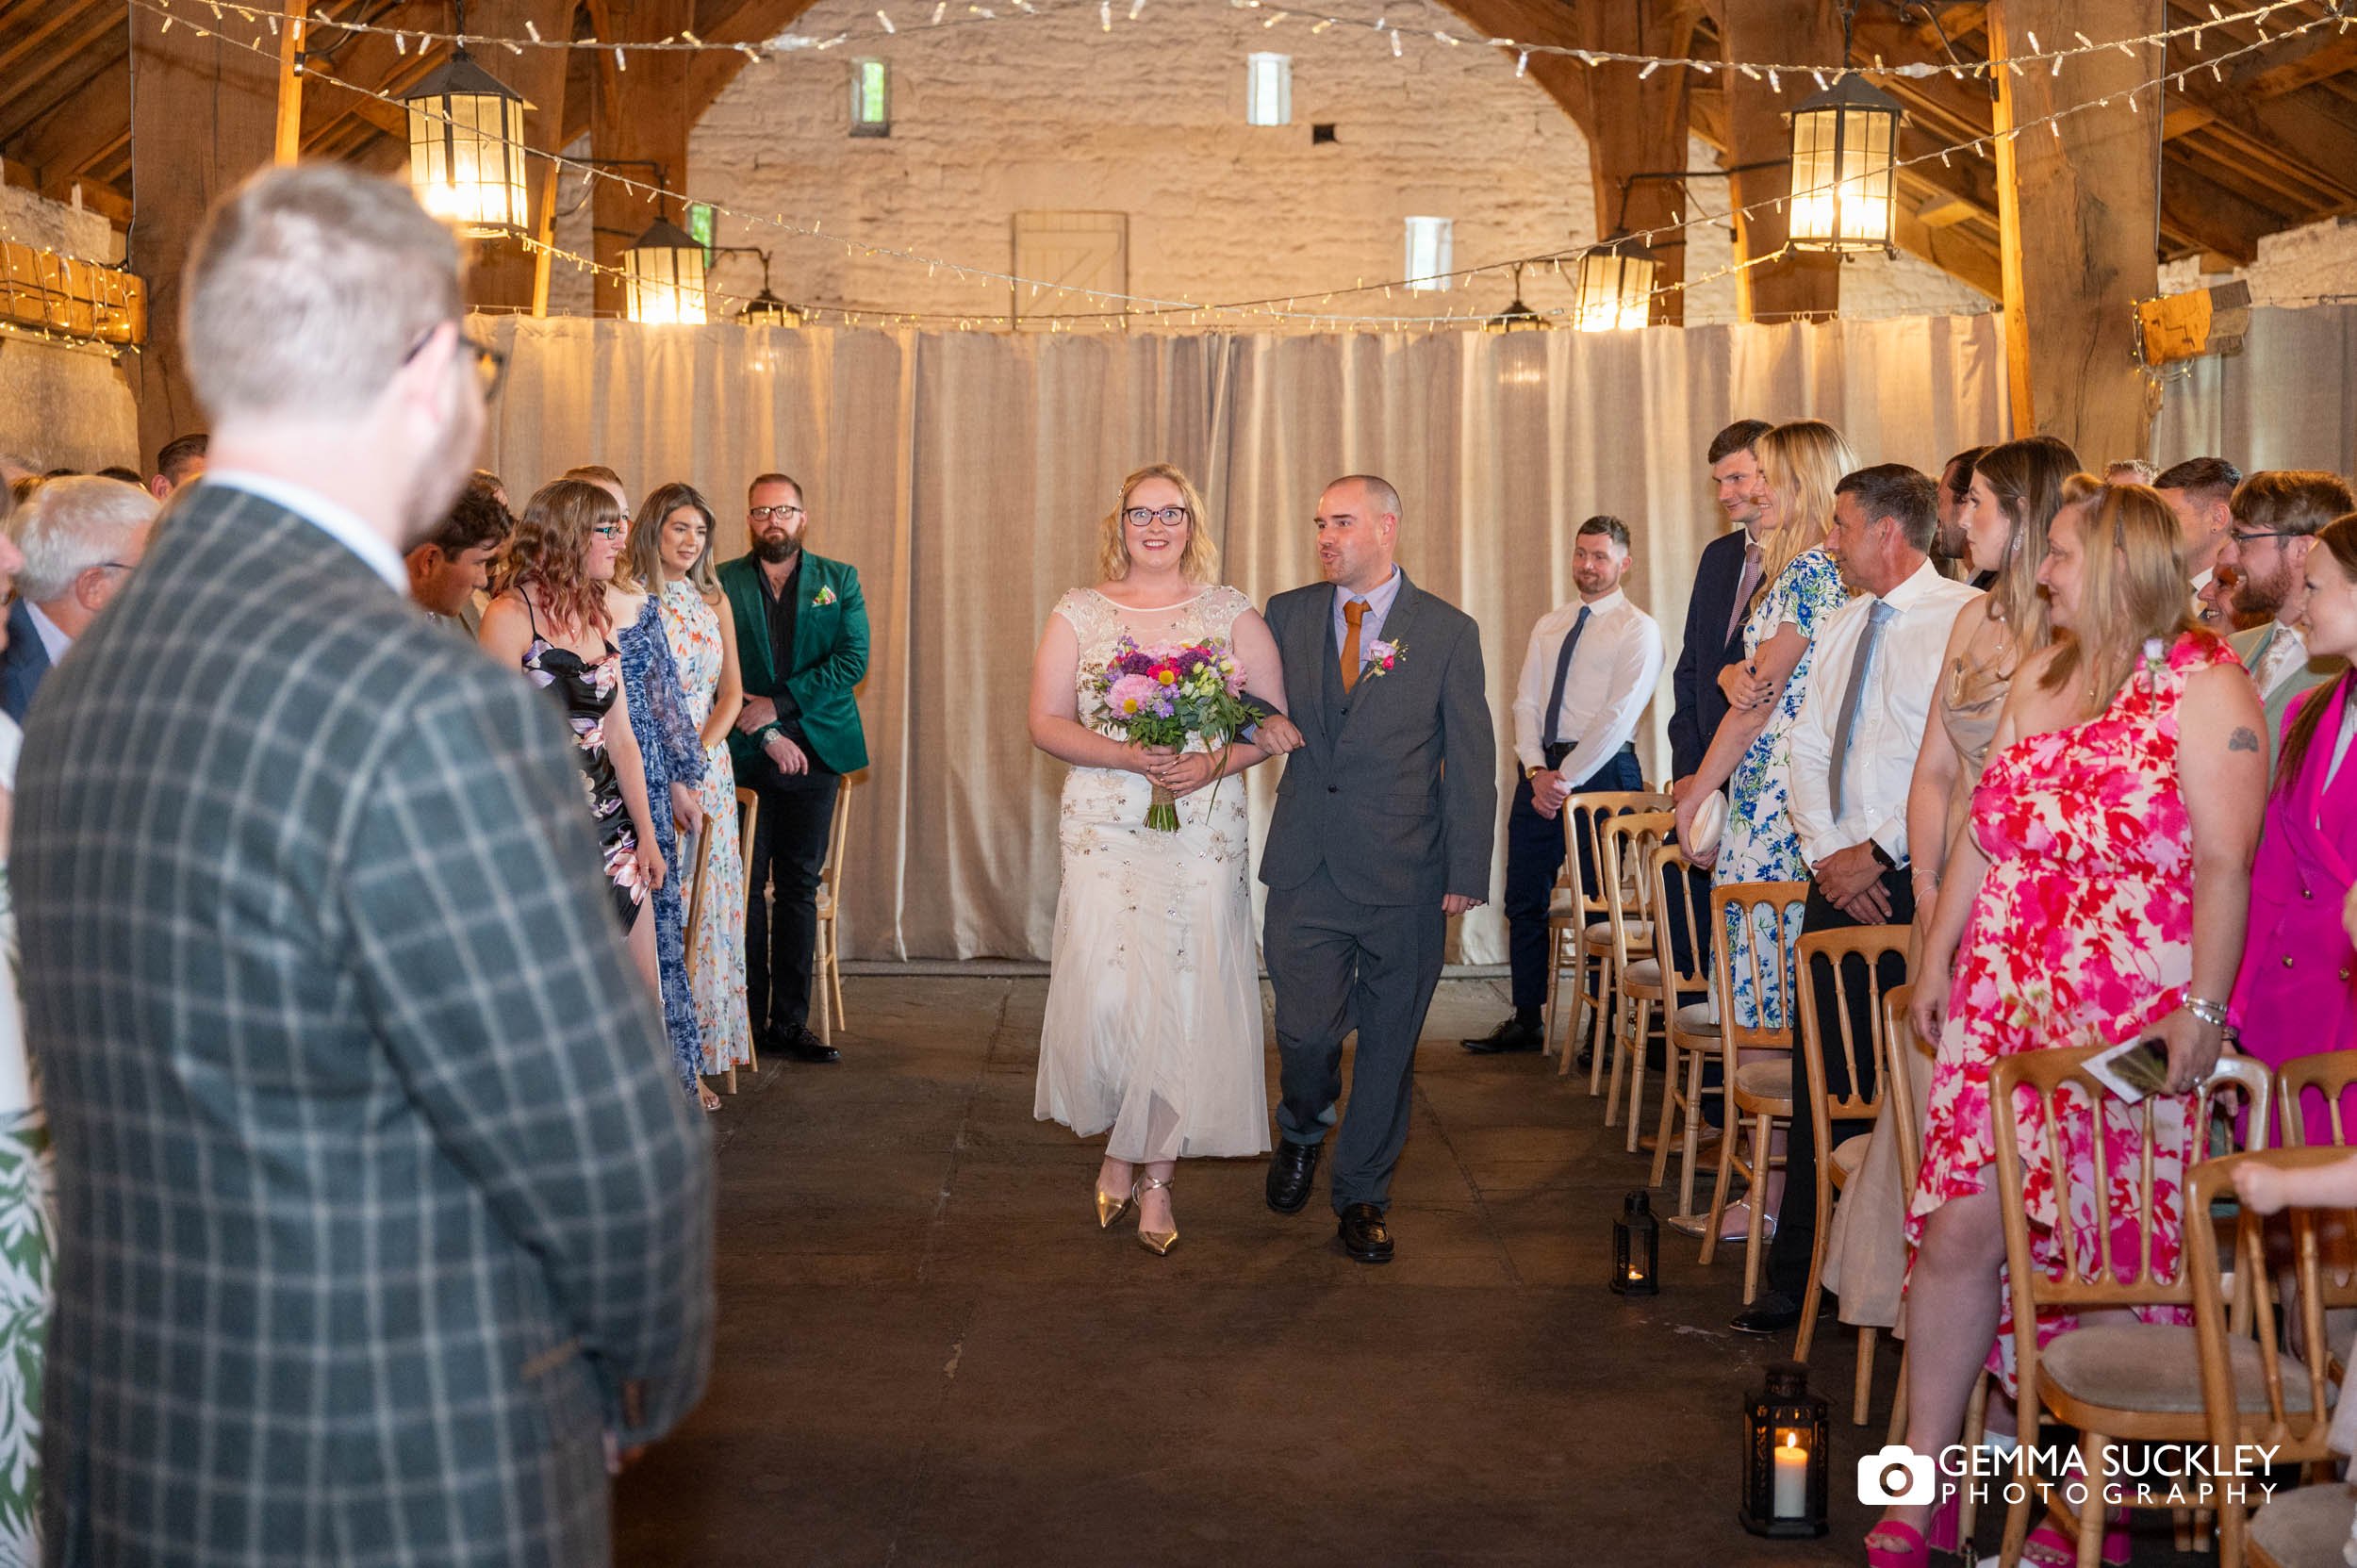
(1169, 695)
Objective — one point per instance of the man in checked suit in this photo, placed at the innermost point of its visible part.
(1384, 823)
(382, 1226)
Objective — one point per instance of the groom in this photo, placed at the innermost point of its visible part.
(1383, 829)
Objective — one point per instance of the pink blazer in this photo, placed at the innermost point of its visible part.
(2296, 992)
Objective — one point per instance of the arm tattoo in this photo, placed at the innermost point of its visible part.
(2242, 739)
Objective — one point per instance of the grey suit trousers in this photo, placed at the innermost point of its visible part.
(1336, 963)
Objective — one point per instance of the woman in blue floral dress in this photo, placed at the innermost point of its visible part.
(1799, 464)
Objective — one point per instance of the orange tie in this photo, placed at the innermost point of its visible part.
(1354, 612)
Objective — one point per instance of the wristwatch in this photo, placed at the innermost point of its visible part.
(1530, 773)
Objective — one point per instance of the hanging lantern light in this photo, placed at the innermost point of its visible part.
(767, 309)
(1845, 143)
(467, 147)
(662, 277)
(1516, 317)
(764, 308)
(1615, 285)
(1788, 1443)
(1635, 1248)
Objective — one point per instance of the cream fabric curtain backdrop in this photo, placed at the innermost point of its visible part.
(2288, 401)
(965, 475)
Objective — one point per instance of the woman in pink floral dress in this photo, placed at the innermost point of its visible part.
(2101, 893)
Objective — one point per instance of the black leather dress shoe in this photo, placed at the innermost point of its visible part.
(1289, 1174)
(1772, 1314)
(1364, 1235)
(1511, 1035)
(802, 1046)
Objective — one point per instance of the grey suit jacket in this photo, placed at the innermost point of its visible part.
(375, 1190)
(2250, 647)
(1395, 790)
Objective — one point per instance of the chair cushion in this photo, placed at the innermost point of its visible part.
(2303, 1527)
(1698, 1020)
(1765, 1080)
(2147, 1366)
(1562, 906)
(1849, 1154)
(1640, 933)
(1643, 971)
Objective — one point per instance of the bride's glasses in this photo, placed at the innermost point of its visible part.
(1169, 517)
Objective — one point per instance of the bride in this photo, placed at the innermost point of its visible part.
(1153, 1026)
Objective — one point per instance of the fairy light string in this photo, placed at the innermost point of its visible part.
(1151, 309)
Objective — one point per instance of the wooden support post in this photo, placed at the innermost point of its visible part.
(2076, 201)
(204, 114)
(1638, 125)
(545, 232)
(289, 146)
(1758, 133)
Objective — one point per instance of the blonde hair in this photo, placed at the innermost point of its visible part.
(641, 566)
(1800, 463)
(2132, 588)
(310, 287)
(1197, 563)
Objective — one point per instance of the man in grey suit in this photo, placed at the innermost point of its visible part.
(1384, 823)
(384, 1228)
(2275, 516)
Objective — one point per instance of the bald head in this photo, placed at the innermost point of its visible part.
(1358, 525)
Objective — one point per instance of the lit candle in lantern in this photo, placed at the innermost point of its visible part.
(1789, 1499)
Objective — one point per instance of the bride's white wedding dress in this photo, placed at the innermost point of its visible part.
(1153, 1026)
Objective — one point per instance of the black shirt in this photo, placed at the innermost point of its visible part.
(784, 608)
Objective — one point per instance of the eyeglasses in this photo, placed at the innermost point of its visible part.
(762, 514)
(1169, 517)
(490, 365)
(612, 530)
(2244, 536)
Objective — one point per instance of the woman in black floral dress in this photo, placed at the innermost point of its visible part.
(548, 617)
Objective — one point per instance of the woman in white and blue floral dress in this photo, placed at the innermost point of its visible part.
(1799, 464)
(28, 1203)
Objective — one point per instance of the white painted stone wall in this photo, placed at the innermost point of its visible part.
(2315, 265)
(1053, 112)
(62, 405)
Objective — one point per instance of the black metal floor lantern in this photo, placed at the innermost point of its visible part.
(1635, 1248)
(1788, 1443)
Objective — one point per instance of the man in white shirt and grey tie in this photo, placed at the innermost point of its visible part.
(1592, 669)
(1877, 670)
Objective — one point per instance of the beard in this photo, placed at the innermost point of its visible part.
(2259, 597)
(777, 549)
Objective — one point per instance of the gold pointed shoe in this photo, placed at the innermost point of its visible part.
(1157, 1241)
(1110, 1208)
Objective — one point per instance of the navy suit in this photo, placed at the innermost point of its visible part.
(1704, 651)
(21, 664)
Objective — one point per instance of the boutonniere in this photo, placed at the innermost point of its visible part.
(824, 596)
(1382, 657)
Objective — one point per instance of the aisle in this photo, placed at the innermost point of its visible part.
(928, 1355)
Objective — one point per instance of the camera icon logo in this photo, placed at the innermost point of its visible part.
(1896, 1475)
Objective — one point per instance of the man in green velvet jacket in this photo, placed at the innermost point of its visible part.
(801, 635)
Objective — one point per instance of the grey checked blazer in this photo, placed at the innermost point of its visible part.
(1395, 789)
(374, 1187)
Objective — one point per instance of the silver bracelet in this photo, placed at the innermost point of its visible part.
(2207, 1011)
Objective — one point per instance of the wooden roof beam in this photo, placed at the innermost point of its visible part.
(14, 52)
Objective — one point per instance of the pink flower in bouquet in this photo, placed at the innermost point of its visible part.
(1381, 654)
(1134, 694)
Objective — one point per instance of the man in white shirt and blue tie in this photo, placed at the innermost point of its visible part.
(1877, 671)
(1592, 669)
